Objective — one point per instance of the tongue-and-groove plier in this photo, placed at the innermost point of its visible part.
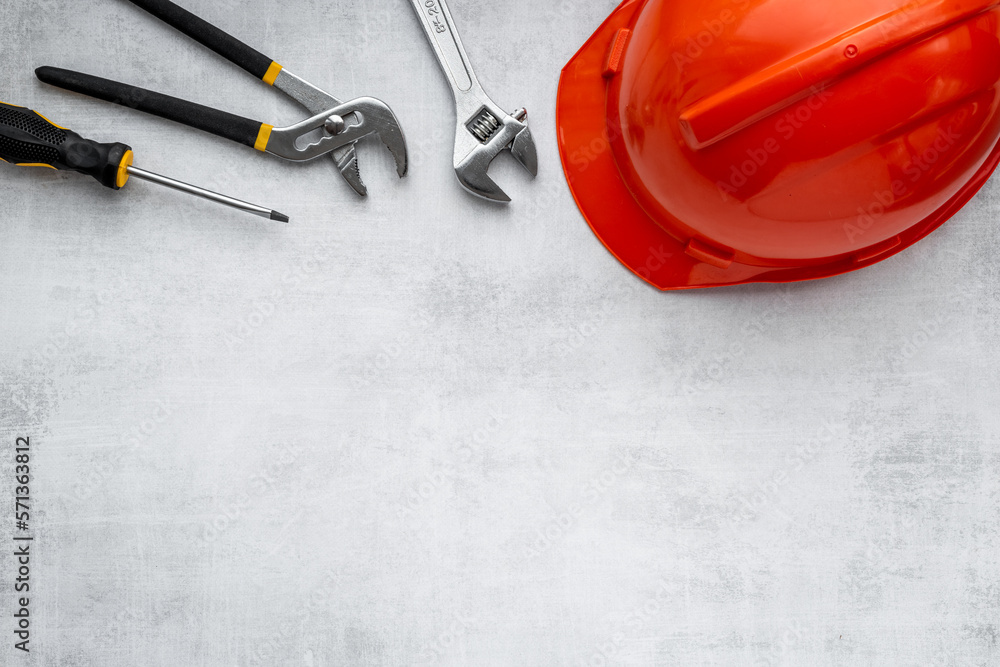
(341, 124)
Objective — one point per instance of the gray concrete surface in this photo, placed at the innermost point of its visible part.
(421, 429)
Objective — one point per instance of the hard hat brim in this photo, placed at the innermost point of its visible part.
(630, 233)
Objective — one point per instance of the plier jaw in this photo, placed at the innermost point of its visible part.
(316, 101)
(340, 126)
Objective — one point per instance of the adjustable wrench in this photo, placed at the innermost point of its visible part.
(484, 129)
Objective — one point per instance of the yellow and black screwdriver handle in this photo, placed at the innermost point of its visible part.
(28, 139)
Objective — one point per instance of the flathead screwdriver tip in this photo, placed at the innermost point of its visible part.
(206, 194)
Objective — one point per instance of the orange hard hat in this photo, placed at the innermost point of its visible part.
(732, 141)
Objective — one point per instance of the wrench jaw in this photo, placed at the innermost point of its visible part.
(473, 157)
(472, 174)
(523, 150)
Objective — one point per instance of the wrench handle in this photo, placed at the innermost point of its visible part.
(200, 30)
(439, 26)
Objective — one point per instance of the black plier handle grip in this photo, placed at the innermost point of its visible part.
(252, 133)
(200, 30)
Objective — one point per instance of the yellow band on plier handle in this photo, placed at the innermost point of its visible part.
(263, 137)
(272, 73)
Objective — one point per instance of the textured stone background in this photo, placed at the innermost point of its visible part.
(421, 429)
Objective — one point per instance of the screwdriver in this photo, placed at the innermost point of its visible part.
(28, 139)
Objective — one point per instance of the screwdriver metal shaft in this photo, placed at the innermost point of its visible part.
(207, 194)
(28, 139)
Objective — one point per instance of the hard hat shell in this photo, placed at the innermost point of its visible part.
(731, 141)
